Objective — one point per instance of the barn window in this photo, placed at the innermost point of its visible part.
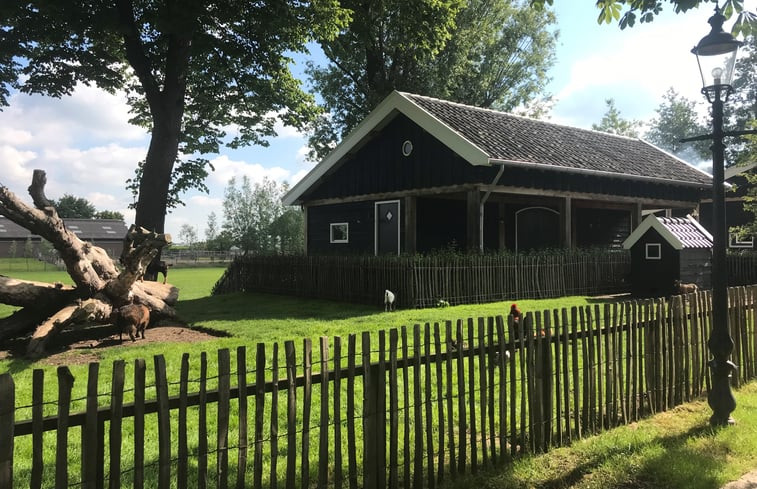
(737, 242)
(654, 251)
(340, 232)
(407, 148)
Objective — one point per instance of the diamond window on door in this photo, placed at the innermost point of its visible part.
(389, 216)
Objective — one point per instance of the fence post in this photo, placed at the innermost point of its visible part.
(7, 412)
(372, 426)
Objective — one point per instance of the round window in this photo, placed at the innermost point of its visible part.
(407, 148)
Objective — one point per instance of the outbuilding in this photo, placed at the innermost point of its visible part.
(106, 233)
(420, 174)
(666, 249)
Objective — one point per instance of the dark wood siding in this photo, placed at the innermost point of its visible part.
(653, 278)
(606, 228)
(440, 225)
(695, 267)
(380, 167)
(359, 215)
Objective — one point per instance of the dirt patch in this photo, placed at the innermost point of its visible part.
(80, 346)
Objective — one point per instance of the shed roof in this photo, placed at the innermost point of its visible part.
(679, 232)
(86, 229)
(487, 137)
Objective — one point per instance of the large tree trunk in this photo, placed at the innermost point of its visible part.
(99, 284)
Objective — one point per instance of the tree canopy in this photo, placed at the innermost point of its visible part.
(191, 69)
(676, 119)
(488, 53)
(70, 206)
(613, 123)
(256, 220)
(627, 12)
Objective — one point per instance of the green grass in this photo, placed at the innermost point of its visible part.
(674, 449)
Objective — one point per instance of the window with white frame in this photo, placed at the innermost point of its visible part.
(340, 232)
(654, 251)
(738, 242)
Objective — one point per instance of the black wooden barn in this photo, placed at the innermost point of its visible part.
(421, 174)
(666, 249)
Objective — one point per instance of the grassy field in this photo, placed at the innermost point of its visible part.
(674, 449)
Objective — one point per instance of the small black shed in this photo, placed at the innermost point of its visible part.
(666, 249)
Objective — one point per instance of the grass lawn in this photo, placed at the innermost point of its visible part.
(675, 449)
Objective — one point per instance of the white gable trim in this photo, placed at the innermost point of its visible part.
(652, 222)
(395, 103)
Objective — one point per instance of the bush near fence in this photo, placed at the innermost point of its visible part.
(421, 281)
(413, 406)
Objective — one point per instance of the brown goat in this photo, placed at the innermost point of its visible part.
(133, 319)
(680, 288)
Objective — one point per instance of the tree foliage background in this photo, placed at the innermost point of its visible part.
(487, 53)
(255, 220)
(191, 69)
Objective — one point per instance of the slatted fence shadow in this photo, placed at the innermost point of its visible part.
(408, 407)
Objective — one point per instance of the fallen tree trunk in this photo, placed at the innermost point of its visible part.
(25, 293)
(100, 285)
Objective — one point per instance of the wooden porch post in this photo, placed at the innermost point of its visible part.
(635, 216)
(473, 220)
(305, 228)
(410, 224)
(501, 220)
(566, 222)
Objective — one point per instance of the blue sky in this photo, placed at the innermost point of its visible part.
(88, 149)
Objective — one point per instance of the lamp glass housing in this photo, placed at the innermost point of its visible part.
(716, 57)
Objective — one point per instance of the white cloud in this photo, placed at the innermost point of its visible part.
(226, 168)
(15, 166)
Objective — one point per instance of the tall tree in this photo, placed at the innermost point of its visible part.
(256, 219)
(677, 118)
(742, 103)
(613, 123)
(646, 11)
(190, 68)
(188, 235)
(489, 53)
(77, 207)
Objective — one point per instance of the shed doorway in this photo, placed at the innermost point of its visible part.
(388, 227)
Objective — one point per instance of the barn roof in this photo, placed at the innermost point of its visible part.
(679, 232)
(85, 229)
(488, 137)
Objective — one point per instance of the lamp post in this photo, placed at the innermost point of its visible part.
(716, 57)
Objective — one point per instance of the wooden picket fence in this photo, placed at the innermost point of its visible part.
(408, 408)
(421, 281)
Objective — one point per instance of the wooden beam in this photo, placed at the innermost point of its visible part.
(566, 222)
(410, 227)
(473, 220)
(510, 191)
(502, 244)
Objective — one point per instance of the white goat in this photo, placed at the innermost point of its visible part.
(388, 300)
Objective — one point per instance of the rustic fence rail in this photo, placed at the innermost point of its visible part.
(422, 281)
(410, 407)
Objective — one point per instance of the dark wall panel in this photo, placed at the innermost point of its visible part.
(653, 278)
(359, 215)
(606, 228)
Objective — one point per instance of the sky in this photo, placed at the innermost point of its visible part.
(88, 149)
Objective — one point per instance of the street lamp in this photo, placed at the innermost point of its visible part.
(716, 57)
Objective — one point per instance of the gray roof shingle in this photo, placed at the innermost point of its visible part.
(513, 138)
(85, 229)
(688, 233)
